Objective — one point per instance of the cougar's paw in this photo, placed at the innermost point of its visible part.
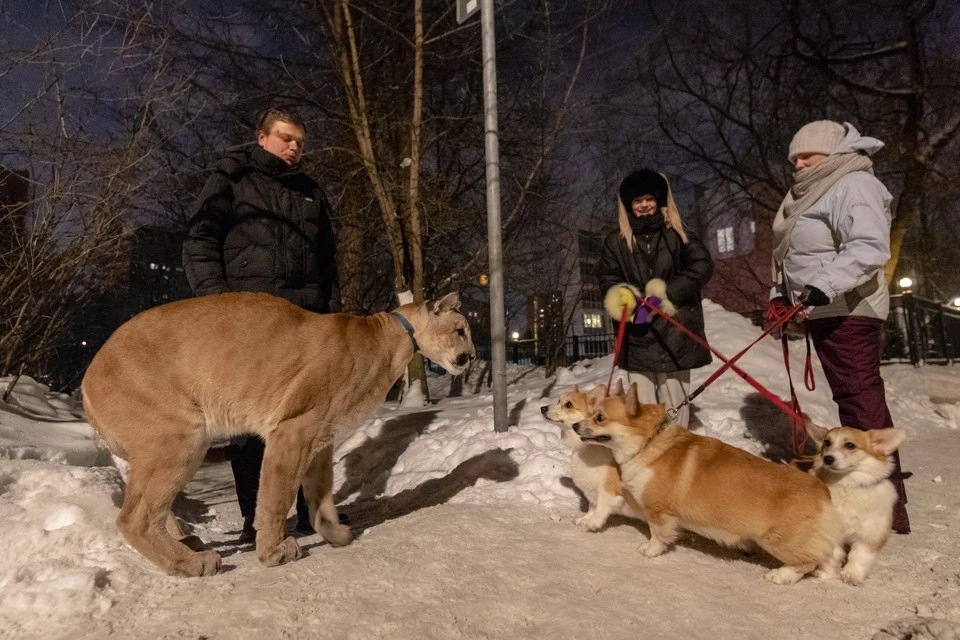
(783, 575)
(193, 543)
(337, 535)
(283, 553)
(202, 563)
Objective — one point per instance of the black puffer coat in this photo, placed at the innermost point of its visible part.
(262, 226)
(658, 346)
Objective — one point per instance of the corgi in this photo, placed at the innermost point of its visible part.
(855, 466)
(683, 480)
(592, 467)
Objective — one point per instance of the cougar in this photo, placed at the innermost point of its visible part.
(175, 377)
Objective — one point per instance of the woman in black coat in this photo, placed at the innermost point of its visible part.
(652, 244)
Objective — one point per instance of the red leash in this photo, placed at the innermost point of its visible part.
(621, 331)
(798, 424)
(798, 429)
(798, 433)
(729, 363)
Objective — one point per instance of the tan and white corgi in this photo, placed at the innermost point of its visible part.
(855, 465)
(592, 467)
(683, 480)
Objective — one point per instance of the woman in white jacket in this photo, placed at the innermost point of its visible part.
(831, 240)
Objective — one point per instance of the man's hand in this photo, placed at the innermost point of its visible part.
(813, 297)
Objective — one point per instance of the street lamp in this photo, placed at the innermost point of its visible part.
(515, 335)
(956, 302)
(905, 282)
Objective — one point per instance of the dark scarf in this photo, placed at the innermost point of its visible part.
(270, 164)
(642, 225)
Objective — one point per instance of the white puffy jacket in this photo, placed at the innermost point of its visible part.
(840, 246)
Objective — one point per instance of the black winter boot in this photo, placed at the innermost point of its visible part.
(248, 533)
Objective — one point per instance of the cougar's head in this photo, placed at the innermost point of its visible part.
(444, 334)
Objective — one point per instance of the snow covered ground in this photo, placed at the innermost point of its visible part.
(464, 532)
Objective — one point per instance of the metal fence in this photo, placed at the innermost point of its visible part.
(920, 330)
(544, 352)
(917, 331)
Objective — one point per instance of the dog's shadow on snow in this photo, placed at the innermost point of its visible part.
(769, 426)
(757, 556)
(686, 540)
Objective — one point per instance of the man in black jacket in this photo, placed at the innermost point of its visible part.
(261, 224)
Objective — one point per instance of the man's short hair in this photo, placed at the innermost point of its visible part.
(274, 114)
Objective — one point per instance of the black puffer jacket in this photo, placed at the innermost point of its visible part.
(260, 225)
(659, 346)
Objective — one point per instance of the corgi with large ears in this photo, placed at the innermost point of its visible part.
(592, 468)
(855, 465)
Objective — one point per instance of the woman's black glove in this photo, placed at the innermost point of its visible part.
(813, 297)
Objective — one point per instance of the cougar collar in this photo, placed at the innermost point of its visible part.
(408, 328)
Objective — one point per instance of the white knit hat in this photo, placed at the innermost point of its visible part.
(821, 136)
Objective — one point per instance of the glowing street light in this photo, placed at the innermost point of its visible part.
(515, 335)
(956, 302)
(905, 282)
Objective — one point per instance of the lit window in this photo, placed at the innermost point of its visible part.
(592, 321)
(725, 240)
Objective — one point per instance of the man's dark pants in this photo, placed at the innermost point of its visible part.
(246, 474)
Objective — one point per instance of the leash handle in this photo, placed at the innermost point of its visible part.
(808, 380)
(621, 331)
(798, 426)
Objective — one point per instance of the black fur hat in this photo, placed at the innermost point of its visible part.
(642, 182)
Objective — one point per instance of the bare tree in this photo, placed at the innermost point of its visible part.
(889, 67)
(87, 148)
(374, 123)
(726, 92)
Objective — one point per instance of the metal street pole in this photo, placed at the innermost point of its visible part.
(498, 332)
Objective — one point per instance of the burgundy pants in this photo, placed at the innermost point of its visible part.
(849, 350)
